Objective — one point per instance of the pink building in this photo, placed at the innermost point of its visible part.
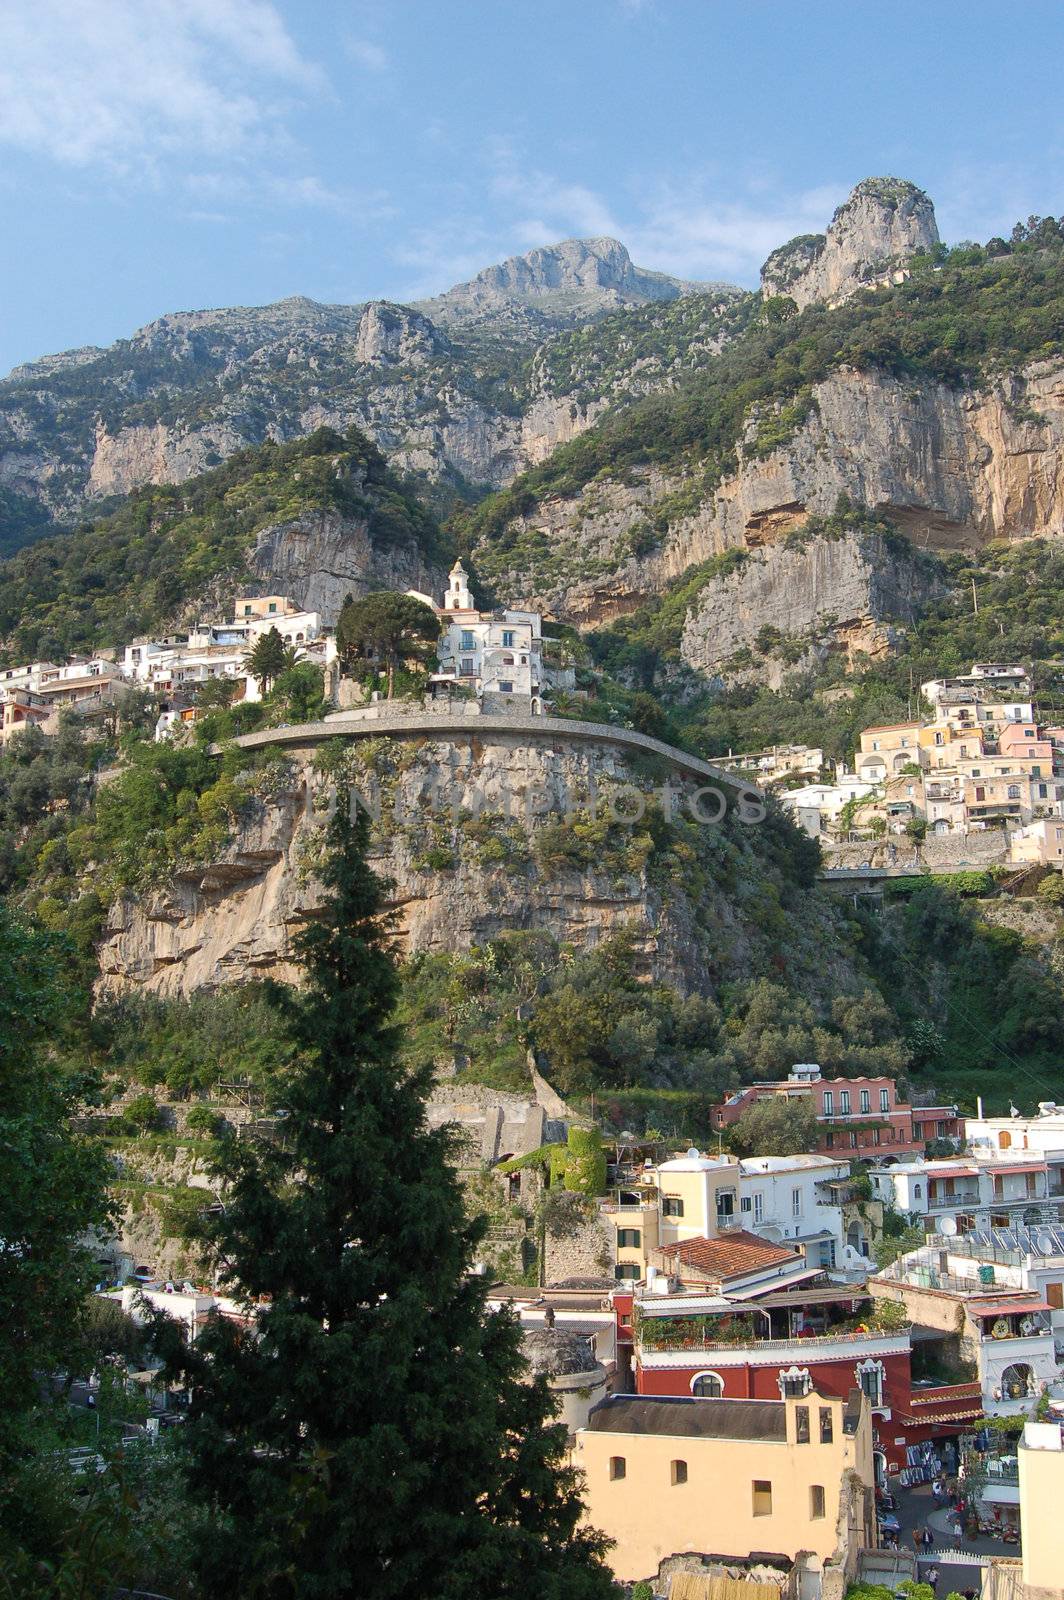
(859, 1116)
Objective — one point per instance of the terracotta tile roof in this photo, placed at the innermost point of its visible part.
(730, 1255)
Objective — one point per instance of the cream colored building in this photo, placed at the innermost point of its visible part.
(1039, 1573)
(886, 751)
(667, 1476)
(780, 1198)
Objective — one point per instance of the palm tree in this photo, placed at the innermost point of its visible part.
(265, 661)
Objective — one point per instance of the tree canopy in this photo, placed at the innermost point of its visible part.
(379, 1435)
(386, 629)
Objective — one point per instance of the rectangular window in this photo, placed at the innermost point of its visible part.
(725, 1203)
(467, 667)
(247, 611)
(1055, 1296)
(853, 1141)
(629, 1238)
(744, 1203)
(671, 1206)
(762, 1497)
(759, 1208)
(678, 1472)
(816, 1501)
(626, 1269)
(866, 1101)
(796, 1202)
(507, 639)
(506, 687)
(884, 1099)
(844, 1102)
(827, 1432)
(829, 1140)
(468, 642)
(801, 1424)
(829, 1103)
(618, 1468)
(875, 1136)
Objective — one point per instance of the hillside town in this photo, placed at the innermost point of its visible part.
(494, 660)
(978, 767)
(849, 1338)
(865, 1343)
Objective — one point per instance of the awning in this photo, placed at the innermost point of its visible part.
(1000, 1494)
(756, 1291)
(1020, 1307)
(1002, 1169)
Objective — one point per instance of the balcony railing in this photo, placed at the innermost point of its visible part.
(728, 1333)
(967, 1197)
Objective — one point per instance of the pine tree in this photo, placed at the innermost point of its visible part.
(376, 1435)
(387, 628)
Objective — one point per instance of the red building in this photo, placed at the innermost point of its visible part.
(860, 1116)
(787, 1342)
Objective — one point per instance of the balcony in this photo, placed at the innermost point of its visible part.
(770, 1352)
(967, 1196)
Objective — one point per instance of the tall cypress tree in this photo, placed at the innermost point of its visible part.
(375, 1435)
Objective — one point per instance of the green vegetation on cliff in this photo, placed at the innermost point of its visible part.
(975, 311)
(135, 568)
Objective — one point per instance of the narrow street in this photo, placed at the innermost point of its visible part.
(917, 1509)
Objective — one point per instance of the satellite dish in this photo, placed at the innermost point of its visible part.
(1046, 1244)
(948, 1226)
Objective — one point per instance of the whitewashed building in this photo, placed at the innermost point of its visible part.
(497, 656)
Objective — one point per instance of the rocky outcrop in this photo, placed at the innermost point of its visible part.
(460, 871)
(564, 283)
(157, 453)
(810, 597)
(189, 389)
(951, 468)
(322, 557)
(884, 221)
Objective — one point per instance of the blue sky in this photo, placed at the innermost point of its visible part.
(160, 155)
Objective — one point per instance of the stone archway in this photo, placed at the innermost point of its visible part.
(1017, 1382)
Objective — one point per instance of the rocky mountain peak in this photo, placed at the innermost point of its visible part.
(881, 224)
(561, 284)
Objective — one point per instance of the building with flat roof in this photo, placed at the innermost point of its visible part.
(785, 1481)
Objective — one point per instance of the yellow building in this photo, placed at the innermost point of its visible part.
(1039, 1573)
(945, 743)
(885, 751)
(728, 1478)
(670, 1203)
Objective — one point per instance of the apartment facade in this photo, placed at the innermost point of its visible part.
(781, 1199)
(976, 1192)
(858, 1116)
(666, 1477)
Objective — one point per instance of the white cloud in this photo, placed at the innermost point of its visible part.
(127, 83)
(680, 226)
(688, 231)
(367, 54)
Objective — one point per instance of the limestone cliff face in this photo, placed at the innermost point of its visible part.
(884, 221)
(951, 468)
(322, 557)
(456, 883)
(819, 595)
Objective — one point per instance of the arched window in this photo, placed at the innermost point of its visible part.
(870, 1377)
(707, 1386)
(1004, 1141)
(794, 1382)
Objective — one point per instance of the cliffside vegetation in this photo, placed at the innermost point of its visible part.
(962, 314)
(134, 569)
